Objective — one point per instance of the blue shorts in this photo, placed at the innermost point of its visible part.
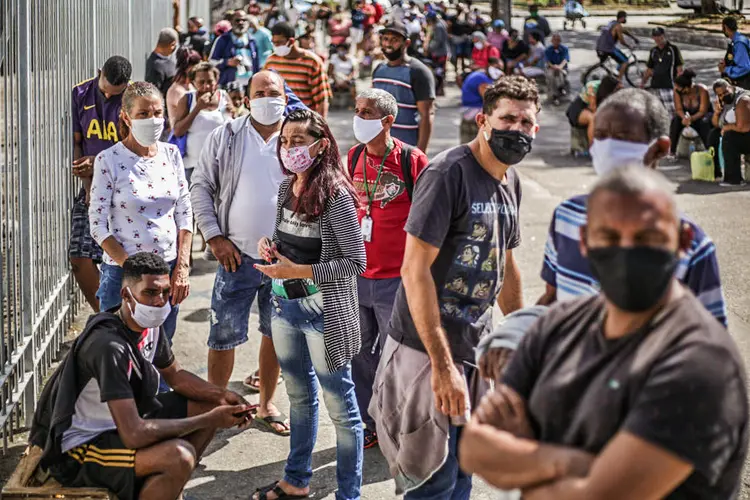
(618, 56)
(231, 301)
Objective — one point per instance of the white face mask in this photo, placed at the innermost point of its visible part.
(478, 45)
(282, 50)
(366, 130)
(609, 154)
(149, 316)
(147, 131)
(267, 110)
(495, 73)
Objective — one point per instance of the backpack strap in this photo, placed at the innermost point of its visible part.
(406, 151)
(355, 158)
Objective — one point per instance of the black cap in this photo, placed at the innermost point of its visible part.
(658, 32)
(396, 27)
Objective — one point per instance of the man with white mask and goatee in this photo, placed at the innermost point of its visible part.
(234, 190)
(631, 126)
(383, 171)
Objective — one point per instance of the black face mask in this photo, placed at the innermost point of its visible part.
(394, 55)
(634, 279)
(509, 146)
(728, 98)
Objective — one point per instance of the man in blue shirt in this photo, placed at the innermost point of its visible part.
(235, 53)
(472, 97)
(641, 125)
(557, 58)
(736, 63)
(262, 37)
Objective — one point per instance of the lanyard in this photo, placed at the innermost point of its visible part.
(371, 195)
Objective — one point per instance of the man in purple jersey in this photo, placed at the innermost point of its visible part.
(95, 111)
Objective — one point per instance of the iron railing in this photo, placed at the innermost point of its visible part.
(46, 47)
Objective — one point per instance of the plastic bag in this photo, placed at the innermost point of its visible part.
(686, 146)
(702, 165)
(689, 133)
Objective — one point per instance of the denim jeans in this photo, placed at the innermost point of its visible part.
(297, 326)
(110, 284)
(449, 482)
(376, 298)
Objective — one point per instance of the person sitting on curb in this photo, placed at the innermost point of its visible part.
(100, 421)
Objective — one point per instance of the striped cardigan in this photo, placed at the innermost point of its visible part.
(342, 259)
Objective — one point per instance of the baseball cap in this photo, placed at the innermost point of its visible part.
(396, 27)
(498, 23)
(658, 32)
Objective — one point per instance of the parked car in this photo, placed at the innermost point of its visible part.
(724, 6)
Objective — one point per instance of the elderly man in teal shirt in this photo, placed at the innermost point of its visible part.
(262, 37)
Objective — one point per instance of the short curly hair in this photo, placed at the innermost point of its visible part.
(142, 263)
(515, 88)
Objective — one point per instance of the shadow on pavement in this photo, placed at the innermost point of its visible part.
(228, 485)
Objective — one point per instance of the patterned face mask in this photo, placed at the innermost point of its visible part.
(297, 159)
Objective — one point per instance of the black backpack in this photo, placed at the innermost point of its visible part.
(406, 151)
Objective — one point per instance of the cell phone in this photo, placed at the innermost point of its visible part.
(241, 414)
(295, 288)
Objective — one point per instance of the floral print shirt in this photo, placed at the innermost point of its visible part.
(142, 202)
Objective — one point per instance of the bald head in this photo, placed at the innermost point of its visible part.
(266, 83)
(633, 206)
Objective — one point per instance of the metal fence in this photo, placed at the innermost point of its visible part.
(46, 47)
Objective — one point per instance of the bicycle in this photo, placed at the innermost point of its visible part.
(634, 70)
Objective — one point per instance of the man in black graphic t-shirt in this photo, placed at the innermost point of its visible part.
(462, 229)
(100, 421)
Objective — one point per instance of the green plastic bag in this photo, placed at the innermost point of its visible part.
(702, 165)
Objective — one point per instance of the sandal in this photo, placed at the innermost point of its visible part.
(252, 382)
(275, 488)
(265, 422)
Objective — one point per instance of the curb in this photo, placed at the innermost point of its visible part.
(703, 38)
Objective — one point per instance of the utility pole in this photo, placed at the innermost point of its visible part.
(501, 9)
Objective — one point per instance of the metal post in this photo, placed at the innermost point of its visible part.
(24, 195)
(95, 37)
(130, 30)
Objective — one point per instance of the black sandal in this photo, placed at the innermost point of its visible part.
(280, 494)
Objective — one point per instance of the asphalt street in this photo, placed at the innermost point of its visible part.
(238, 462)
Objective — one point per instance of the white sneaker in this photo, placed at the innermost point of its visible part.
(729, 184)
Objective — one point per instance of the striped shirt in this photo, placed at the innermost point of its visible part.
(342, 259)
(568, 271)
(306, 76)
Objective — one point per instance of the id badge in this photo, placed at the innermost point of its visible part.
(367, 228)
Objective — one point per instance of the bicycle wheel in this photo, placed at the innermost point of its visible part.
(635, 71)
(595, 72)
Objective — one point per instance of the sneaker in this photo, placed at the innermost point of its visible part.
(371, 439)
(731, 184)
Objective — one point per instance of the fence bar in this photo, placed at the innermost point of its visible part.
(47, 47)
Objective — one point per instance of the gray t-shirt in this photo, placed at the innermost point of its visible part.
(439, 41)
(472, 218)
(678, 383)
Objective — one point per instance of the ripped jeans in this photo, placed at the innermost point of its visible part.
(231, 301)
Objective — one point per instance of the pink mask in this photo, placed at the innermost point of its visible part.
(298, 159)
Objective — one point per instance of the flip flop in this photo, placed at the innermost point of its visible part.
(280, 494)
(255, 378)
(266, 422)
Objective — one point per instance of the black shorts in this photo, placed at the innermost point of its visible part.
(82, 244)
(574, 111)
(105, 462)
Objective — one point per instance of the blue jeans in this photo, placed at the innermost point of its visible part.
(231, 300)
(376, 298)
(110, 284)
(449, 482)
(297, 326)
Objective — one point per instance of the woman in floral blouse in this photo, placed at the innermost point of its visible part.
(140, 200)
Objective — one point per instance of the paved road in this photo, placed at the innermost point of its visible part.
(237, 463)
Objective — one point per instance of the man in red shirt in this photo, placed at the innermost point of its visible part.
(482, 51)
(384, 188)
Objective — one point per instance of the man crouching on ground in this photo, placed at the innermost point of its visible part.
(100, 421)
